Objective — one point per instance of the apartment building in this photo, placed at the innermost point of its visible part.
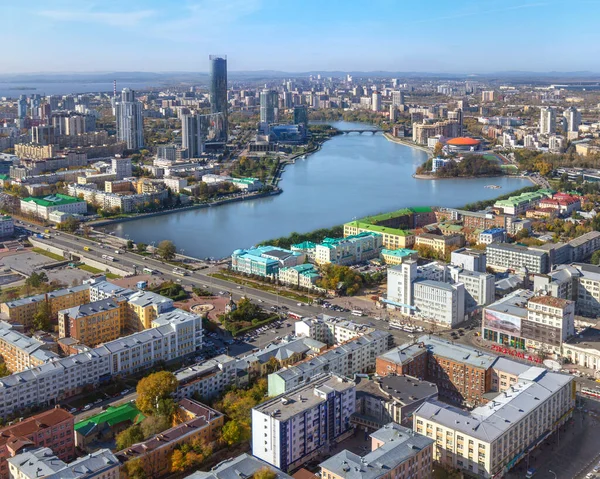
(440, 243)
(396, 451)
(291, 429)
(469, 259)
(349, 250)
(126, 203)
(21, 311)
(52, 429)
(504, 256)
(517, 205)
(145, 307)
(523, 321)
(329, 329)
(583, 246)
(406, 359)
(355, 356)
(244, 465)
(94, 323)
(7, 226)
(41, 207)
(209, 378)
(577, 282)
(102, 289)
(42, 462)
(204, 425)
(489, 440)
(176, 334)
(21, 352)
(480, 288)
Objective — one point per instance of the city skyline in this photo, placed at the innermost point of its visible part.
(468, 37)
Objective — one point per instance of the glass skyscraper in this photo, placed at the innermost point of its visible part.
(218, 89)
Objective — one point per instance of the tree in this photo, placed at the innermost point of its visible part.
(70, 225)
(178, 461)
(141, 247)
(129, 436)
(86, 231)
(595, 257)
(154, 388)
(167, 250)
(437, 150)
(264, 473)
(41, 318)
(153, 425)
(134, 469)
(4, 371)
(36, 279)
(129, 244)
(231, 433)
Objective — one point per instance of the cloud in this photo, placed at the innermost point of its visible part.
(113, 19)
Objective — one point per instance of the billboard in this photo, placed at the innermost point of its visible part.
(502, 322)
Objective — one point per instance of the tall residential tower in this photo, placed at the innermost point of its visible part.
(218, 89)
(130, 124)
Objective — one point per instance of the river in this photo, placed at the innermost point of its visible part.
(353, 175)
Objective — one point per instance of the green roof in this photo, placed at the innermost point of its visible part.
(525, 198)
(304, 245)
(421, 209)
(400, 252)
(245, 180)
(112, 416)
(386, 216)
(379, 229)
(4, 177)
(53, 200)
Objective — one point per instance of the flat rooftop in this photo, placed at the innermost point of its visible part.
(514, 303)
(406, 389)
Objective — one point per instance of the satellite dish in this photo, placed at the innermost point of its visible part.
(552, 364)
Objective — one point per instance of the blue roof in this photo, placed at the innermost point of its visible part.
(493, 231)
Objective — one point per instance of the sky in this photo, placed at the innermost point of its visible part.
(438, 36)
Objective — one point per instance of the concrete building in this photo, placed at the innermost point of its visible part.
(209, 378)
(291, 429)
(393, 257)
(303, 275)
(469, 259)
(356, 356)
(7, 226)
(349, 250)
(265, 260)
(121, 167)
(52, 429)
(21, 352)
(376, 101)
(517, 205)
(329, 329)
(244, 465)
(494, 235)
(489, 440)
(480, 288)
(440, 243)
(396, 451)
(43, 463)
(504, 256)
(129, 120)
(547, 121)
(41, 207)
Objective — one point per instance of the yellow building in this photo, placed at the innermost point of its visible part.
(35, 152)
(398, 256)
(393, 238)
(145, 307)
(21, 311)
(21, 352)
(94, 323)
(440, 243)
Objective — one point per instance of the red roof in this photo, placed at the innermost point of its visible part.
(463, 141)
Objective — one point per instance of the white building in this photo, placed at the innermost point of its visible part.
(573, 117)
(42, 207)
(175, 184)
(480, 288)
(130, 123)
(504, 256)
(291, 429)
(376, 103)
(208, 379)
(486, 440)
(350, 250)
(547, 121)
(7, 226)
(121, 167)
(493, 235)
(469, 259)
(556, 144)
(329, 329)
(550, 321)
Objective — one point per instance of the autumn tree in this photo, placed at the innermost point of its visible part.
(134, 469)
(265, 473)
(41, 317)
(166, 250)
(231, 433)
(129, 436)
(154, 424)
(154, 389)
(178, 461)
(437, 150)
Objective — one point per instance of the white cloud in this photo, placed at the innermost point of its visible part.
(113, 19)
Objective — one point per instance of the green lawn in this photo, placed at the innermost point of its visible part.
(56, 257)
(263, 287)
(91, 269)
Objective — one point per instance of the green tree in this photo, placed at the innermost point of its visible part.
(595, 257)
(4, 371)
(41, 317)
(231, 433)
(129, 436)
(141, 247)
(70, 225)
(167, 250)
(129, 244)
(154, 388)
(36, 279)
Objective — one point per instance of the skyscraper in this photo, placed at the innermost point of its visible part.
(376, 103)
(397, 98)
(197, 130)
(268, 108)
(130, 124)
(573, 117)
(22, 106)
(218, 89)
(547, 121)
(300, 115)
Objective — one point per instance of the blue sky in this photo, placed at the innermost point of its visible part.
(460, 36)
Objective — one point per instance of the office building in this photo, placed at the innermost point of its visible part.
(394, 257)
(547, 121)
(121, 167)
(130, 123)
(42, 207)
(354, 357)
(489, 440)
(572, 117)
(21, 352)
(397, 98)
(523, 321)
(265, 260)
(43, 463)
(22, 107)
(291, 429)
(396, 451)
(349, 250)
(203, 424)
(469, 259)
(302, 276)
(218, 92)
(244, 465)
(517, 205)
(329, 329)
(198, 131)
(52, 429)
(7, 226)
(269, 110)
(493, 235)
(208, 379)
(514, 257)
(440, 243)
(300, 115)
(480, 288)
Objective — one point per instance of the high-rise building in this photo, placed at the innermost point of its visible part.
(376, 103)
(573, 117)
(68, 102)
(397, 98)
(268, 108)
(300, 115)
(198, 130)
(487, 95)
(547, 121)
(218, 89)
(189, 135)
(393, 113)
(457, 116)
(22, 106)
(130, 124)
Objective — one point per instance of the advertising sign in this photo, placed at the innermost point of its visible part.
(502, 322)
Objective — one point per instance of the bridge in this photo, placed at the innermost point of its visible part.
(360, 131)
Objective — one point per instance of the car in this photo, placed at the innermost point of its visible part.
(73, 410)
(98, 401)
(124, 392)
(298, 304)
(87, 407)
(238, 287)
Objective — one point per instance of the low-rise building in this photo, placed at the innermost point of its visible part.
(329, 329)
(43, 463)
(209, 378)
(493, 235)
(244, 465)
(291, 429)
(7, 226)
(398, 256)
(393, 237)
(489, 440)
(52, 429)
(21, 352)
(396, 451)
(248, 184)
(516, 205)
(440, 243)
(265, 260)
(504, 256)
(303, 276)
(204, 425)
(349, 250)
(41, 207)
(562, 203)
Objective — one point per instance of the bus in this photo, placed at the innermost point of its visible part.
(295, 316)
(180, 272)
(148, 271)
(86, 248)
(357, 312)
(593, 393)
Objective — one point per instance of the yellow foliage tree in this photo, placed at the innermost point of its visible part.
(154, 388)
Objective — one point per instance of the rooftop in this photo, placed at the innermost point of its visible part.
(550, 301)
(463, 141)
(52, 200)
(112, 416)
(515, 248)
(90, 309)
(399, 253)
(514, 303)
(406, 389)
(243, 466)
(379, 229)
(44, 420)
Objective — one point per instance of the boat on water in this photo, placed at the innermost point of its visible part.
(493, 187)
(303, 157)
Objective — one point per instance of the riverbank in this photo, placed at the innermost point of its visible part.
(406, 142)
(429, 177)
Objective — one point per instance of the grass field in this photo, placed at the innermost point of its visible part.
(56, 257)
